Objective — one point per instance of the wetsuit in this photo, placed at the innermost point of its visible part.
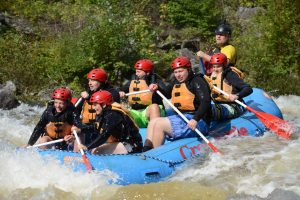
(116, 126)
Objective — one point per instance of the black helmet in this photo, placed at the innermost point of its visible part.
(223, 29)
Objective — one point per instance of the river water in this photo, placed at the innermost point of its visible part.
(251, 168)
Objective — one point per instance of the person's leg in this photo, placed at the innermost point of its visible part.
(110, 148)
(153, 111)
(156, 131)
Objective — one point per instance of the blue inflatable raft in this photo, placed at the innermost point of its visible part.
(159, 163)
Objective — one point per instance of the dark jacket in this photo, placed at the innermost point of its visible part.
(120, 126)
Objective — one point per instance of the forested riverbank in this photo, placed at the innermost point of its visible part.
(47, 43)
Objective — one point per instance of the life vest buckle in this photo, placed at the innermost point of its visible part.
(177, 94)
(136, 98)
(177, 104)
(92, 110)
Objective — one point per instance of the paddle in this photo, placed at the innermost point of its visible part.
(46, 143)
(202, 67)
(138, 92)
(84, 157)
(187, 121)
(275, 124)
(78, 101)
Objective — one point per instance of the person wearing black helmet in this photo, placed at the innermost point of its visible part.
(223, 35)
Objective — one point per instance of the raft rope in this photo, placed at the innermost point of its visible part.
(141, 156)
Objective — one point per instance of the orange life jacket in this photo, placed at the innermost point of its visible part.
(88, 113)
(57, 130)
(182, 98)
(216, 80)
(142, 99)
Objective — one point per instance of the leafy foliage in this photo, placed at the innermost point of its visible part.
(270, 47)
(70, 37)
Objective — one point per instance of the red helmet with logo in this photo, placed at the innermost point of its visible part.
(146, 65)
(62, 93)
(98, 75)
(102, 97)
(181, 62)
(218, 59)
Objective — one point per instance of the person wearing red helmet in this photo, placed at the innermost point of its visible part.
(145, 106)
(98, 80)
(57, 121)
(230, 80)
(191, 95)
(222, 36)
(116, 131)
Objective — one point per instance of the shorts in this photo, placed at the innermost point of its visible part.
(181, 130)
(140, 118)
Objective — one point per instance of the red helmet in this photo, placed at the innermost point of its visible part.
(98, 75)
(62, 93)
(102, 97)
(146, 65)
(218, 59)
(181, 62)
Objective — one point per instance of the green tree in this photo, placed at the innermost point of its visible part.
(269, 47)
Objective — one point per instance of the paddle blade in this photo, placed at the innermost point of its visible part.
(275, 124)
(213, 148)
(87, 163)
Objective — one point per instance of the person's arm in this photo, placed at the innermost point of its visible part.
(111, 124)
(115, 94)
(125, 88)
(39, 129)
(202, 94)
(203, 55)
(242, 89)
(162, 88)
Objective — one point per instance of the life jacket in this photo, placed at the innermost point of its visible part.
(88, 113)
(182, 98)
(118, 107)
(57, 130)
(141, 99)
(238, 72)
(219, 81)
